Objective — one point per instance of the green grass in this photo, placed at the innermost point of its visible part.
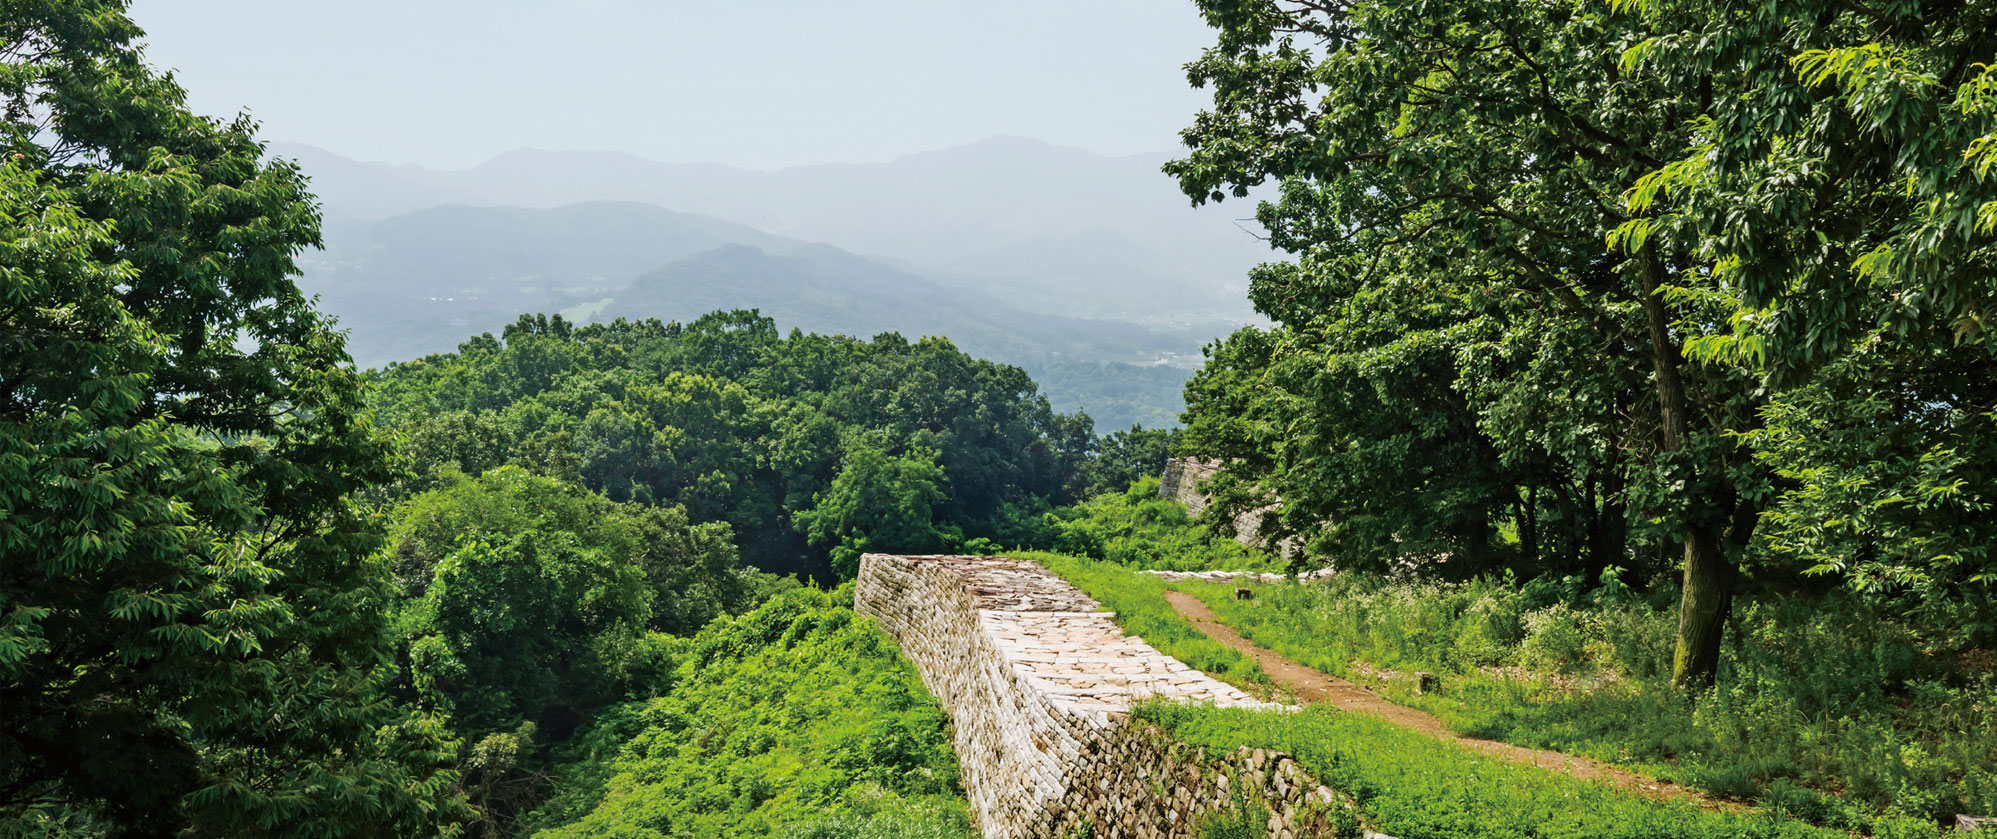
(1414, 787)
(1410, 785)
(1823, 707)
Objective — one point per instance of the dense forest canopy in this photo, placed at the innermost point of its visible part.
(1601, 308)
(811, 447)
(1663, 285)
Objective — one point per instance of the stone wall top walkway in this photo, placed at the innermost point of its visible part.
(1061, 642)
(1039, 683)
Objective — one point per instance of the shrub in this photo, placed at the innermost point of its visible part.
(797, 719)
(1137, 528)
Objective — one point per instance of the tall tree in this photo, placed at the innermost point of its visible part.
(1838, 181)
(1481, 151)
(192, 631)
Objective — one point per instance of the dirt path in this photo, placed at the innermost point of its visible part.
(1313, 686)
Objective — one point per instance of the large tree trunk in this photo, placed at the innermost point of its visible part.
(1702, 610)
(1709, 573)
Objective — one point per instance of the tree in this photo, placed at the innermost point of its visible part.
(879, 502)
(1122, 458)
(525, 630)
(1840, 192)
(1475, 156)
(736, 423)
(192, 627)
(689, 572)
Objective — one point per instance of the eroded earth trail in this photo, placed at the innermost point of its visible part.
(1313, 686)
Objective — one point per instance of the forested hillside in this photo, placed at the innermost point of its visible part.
(811, 447)
(419, 283)
(1627, 376)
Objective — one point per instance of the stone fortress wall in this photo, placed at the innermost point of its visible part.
(1039, 683)
(1181, 482)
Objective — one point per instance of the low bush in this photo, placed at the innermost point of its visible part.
(1137, 528)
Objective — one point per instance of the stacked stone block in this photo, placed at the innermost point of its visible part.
(1232, 577)
(1039, 682)
(1181, 483)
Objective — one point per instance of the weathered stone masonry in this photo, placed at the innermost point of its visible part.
(1039, 683)
(1181, 482)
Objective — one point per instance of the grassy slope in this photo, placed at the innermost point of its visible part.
(1814, 697)
(799, 719)
(1411, 786)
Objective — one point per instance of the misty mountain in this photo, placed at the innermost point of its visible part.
(1080, 364)
(1049, 228)
(351, 191)
(422, 282)
(819, 288)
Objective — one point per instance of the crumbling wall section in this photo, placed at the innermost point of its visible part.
(1039, 683)
(1181, 483)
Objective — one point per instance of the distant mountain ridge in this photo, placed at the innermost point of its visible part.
(1071, 264)
(819, 288)
(424, 281)
(1049, 228)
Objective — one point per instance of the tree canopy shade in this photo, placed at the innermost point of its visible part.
(1577, 284)
(528, 598)
(192, 624)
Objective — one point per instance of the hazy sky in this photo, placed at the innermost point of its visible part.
(767, 83)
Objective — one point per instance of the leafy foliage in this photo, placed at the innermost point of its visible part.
(1841, 198)
(1122, 458)
(193, 631)
(1137, 528)
(689, 572)
(531, 604)
(1579, 286)
(796, 719)
(738, 424)
(879, 502)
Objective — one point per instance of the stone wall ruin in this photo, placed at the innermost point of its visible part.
(1181, 482)
(1039, 682)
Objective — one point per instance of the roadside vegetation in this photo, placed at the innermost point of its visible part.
(1411, 786)
(1823, 707)
(1796, 725)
